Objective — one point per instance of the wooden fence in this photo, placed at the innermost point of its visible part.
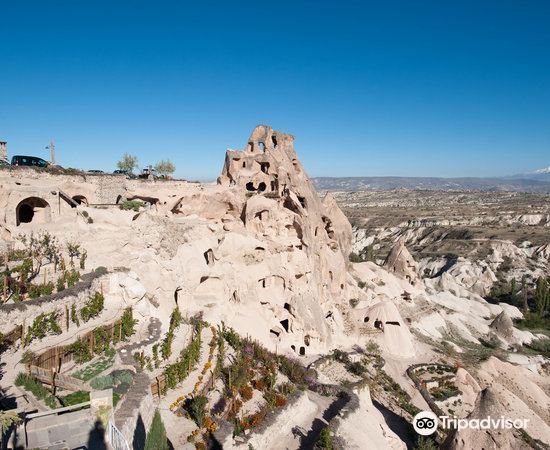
(55, 379)
(158, 386)
(55, 357)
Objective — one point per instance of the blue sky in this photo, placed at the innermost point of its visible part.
(407, 88)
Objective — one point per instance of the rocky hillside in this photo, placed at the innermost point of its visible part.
(251, 314)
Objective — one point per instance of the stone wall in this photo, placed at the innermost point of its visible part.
(15, 314)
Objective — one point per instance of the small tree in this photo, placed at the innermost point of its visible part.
(156, 437)
(7, 420)
(128, 163)
(542, 296)
(196, 408)
(165, 167)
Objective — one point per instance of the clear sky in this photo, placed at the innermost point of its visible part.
(410, 88)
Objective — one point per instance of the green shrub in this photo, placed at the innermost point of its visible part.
(32, 385)
(540, 345)
(134, 205)
(102, 340)
(40, 290)
(533, 322)
(324, 440)
(93, 307)
(196, 408)
(156, 360)
(425, 443)
(127, 323)
(156, 437)
(232, 338)
(166, 345)
(75, 398)
(355, 258)
(72, 171)
(74, 315)
(81, 351)
(189, 356)
(60, 285)
(43, 325)
(71, 278)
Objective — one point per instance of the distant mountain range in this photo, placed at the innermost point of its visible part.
(537, 181)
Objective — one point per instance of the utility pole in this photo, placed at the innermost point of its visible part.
(52, 146)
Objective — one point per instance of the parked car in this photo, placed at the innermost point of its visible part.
(124, 172)
(34, 161)
(95, 171)
(147, 173)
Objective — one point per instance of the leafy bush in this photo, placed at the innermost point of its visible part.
(102, 340)
(131, 205)
(42, 325)
(93, 307)
(493, 342)
(178, 371)
(373, 347)
(175, 322)
(127, 323)
(7, 420)
(356, 368)
(71, 277)
(84, 254)
(196, 407)
(40, 290)
(74, 315)
(81, 351)
(540, 345)
(60, 284)
(355, 258)
(425, 443)
(534, 322)
(232, 338)
(324, 440)
(32, 385)
(156, 437)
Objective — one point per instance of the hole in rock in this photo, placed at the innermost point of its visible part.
(284, 324)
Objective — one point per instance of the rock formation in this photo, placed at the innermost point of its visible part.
(402, 264)
(503, 326)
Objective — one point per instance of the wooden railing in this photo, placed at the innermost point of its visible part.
(55, 379)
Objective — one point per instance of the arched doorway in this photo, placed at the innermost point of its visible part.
(32, 209)
(80, 199)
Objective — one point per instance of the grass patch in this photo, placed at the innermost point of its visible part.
(535, 324)
(75, 398)
(540, 346)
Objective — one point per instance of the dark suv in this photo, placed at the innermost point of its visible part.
(33, 161)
